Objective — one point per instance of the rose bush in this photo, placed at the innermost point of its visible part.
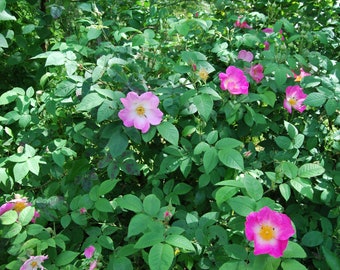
(169, 135)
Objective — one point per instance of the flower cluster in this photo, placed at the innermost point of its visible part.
(18, 204)
(269, 230)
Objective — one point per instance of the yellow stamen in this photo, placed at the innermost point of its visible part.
(19, 206)
(203, 74)
(140, 110)
(267, 232)
(298, 78)
(292, 101)
(34, 264)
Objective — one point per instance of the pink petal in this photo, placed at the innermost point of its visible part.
(88, 252)
(142, 123)
(6, 207)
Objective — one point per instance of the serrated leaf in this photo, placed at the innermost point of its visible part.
(55, 59)
(11, 231)
(285, 191)
(312, 239)
(242, 205)
(294, 250)
(315, 99)
(89, 102)
(26, 215)
(303, 186)
(138, 224)
(107, 186)
(103, 205)
(310, 170)
(210, 160)
(161, 257)
(151, 205)
(223, 194)
(179, 241)
(253, 187)
(169, 132)
(20, 171)
(204, 105)
(149, 239)
(65, 257)
(231, 158)
(9, 217)
(131, 202)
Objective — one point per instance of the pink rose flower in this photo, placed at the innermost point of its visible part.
(140, 111)
(303, 73)
(234, 81)
(240, 24)
(245, 56)
(82, 210)
(18, 204)
(89, 251)
(93, 265)
(34, 262)
(256, 72)
(268, 30)
(269, 230)
(266, 45)
(294, 99)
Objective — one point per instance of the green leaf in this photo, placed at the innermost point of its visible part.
(2, 5)
(303, 186)
(169, 132)
(106, 186)
(106, 242)
(26, 215)
(65, 257)
(290, 169)
(149, 239)
(89, 102)
(55, 59)
(138, 224)
(312, 239)
(161, 257)
(103, 205)
(118, 143)
(93, 33)
(223, 194)
(179, 241)
(131, 202)
(285, 191)
(315, 99)
(20, 170)
(331, 106)
(204, 105)
(3, 41)
(332, 259)
(33, 164)
(64, 88)
(34, 229)
(182, 188)
(210, 160)
(294, 250)
(291, 264)
(11, 231)
(253, 187)
(65, 221)
(231, 158)
(269, 98)
(242, 205)
(151, 205)
(310, 170)
(283, 142)
(120, 263)
(9, 217)
(80, 218)
(5, 16)
(227, 143)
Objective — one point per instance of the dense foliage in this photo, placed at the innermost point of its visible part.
(175, 195)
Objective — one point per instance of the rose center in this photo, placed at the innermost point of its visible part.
(292, 101)
(140, 110)
(34, 264)
(19, 206)
(267, 232)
